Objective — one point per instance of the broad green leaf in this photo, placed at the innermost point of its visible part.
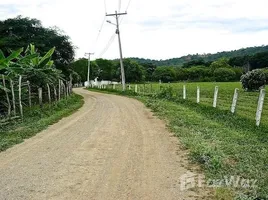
(44, 63)
(14, 54)
(2, 56)
(32, 49)
(48, 55)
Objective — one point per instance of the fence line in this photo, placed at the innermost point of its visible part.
(12, 88)
(141, 90)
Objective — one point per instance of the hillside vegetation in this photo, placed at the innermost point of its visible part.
(206, 57)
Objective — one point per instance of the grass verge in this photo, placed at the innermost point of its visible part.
(224, 144)
(36, 120)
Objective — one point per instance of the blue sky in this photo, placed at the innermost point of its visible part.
(152, 29)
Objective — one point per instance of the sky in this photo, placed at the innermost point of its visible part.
(152, 28)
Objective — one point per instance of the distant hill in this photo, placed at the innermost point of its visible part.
(206, 57)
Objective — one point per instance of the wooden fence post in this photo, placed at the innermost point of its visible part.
(67, 89)
(29, 94)
(136, 88)
(55, 93)
(20, 103)
(40, 97)
(198, 95)
(184, 92)
(216, 91)
(260, 107)
(48, 92)
(13, 97)
(7, 97)
(235, 98)
(59, 88)
(114, 86)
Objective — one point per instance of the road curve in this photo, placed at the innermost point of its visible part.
(113, 148)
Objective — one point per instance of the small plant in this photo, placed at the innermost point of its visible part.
(253, 80)
(166, 93)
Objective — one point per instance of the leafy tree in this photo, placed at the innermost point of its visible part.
(107, 70)
(133, 71)
(166, 74)
(224, 75)
(19, 32)
(221, 63)
(253, 80)
(149, 70)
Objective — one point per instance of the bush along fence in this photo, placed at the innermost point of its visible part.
(27, 81)
(149, 89)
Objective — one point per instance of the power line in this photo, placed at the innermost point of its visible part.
(100, 30)
(119, 5)
(107, 45)
(122, 17)
(105, 6)
(128, 5)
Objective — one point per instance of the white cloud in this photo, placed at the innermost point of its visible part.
(152, 29)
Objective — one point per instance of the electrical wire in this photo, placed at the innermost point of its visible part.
(107, 45)
(100, 30)
(128, 5)
(119, 5)
(126, 11)
(105, 6)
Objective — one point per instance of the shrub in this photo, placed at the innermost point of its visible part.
(166, 74)
(253, 80)
(265, 71)
(224, 75)
(166, 93)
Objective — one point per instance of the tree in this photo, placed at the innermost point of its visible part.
(133, 71)
(149, 69)
(221, 63)
(107, 70)
(166, 74)
(224, 75)
(19, 32)
(253, 80)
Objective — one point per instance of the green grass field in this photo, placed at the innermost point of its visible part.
(224, 144)
(246, 105)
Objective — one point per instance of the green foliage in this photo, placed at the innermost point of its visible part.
(221, 63)
(20, 32)
(149, 69)
(265, 71)
(207, 57)
(253, 80)
(166, 93)
(224, 75)
(165, 74)
(133, 71)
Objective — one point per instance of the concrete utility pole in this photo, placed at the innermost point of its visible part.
(120, 47)
(88, 65)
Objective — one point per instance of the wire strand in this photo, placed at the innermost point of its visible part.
(107, 45)
(128, 4)
(105, 6)
(119, 5)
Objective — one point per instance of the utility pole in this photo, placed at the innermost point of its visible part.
(120, 47)
(88, 65)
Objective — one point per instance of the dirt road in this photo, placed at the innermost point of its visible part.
(113, 148)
